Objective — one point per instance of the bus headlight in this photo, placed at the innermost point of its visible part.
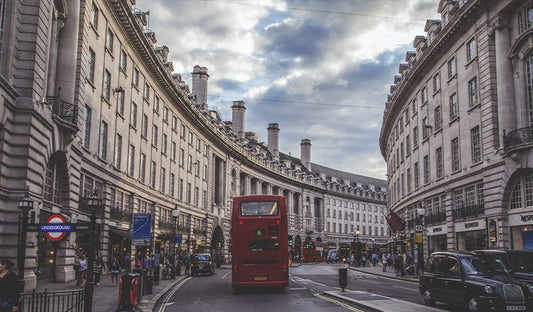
(489, 289)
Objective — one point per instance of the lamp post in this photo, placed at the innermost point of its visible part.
(25, 205)
(420, 212)
(175, 264)
(93, 204)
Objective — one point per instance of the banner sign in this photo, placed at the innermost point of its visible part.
(142, 229)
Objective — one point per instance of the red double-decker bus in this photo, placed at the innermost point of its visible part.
(309, 252)
(260, 254)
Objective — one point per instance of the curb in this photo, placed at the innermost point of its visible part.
(386, 276)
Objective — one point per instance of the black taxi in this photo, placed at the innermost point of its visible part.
(474, 281)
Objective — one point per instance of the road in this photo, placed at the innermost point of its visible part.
(306, 292)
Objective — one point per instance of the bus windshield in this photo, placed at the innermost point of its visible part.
(259, 209)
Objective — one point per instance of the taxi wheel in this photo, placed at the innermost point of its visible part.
(472, 304)
(428, 298)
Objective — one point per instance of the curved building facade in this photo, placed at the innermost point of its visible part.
(456, 132)
(91, 105)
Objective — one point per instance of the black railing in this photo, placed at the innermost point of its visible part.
(436, 218)
(67, 113)
(166, 224)
(468, 211)
(121, 215)
(51, 301)
(517, 137)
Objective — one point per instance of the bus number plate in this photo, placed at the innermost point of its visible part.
(260, 278)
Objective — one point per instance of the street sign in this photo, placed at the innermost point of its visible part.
(418, 228)
(57, 228)
(142, 229)
(178, 238)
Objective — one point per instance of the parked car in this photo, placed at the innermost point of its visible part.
(519, 262)
(202, 264)
(475, 281)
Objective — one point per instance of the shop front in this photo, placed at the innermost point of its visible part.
(521, 230)
(436, 236)
(471, 235)
(119, 243)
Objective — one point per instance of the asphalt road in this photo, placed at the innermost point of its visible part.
(305, 292)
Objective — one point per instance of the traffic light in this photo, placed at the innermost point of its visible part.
(290, 239)
(219, 244)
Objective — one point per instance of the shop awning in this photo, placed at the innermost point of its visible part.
(122, 233)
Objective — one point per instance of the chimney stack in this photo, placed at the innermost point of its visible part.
(199, 85)
(237, 118)
(273, 140)
(305, 154)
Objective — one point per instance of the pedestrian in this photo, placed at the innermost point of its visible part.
(97, 270)
(384, 260)
(9, 287)
(115, 271)
(127, 263)
(82, 271)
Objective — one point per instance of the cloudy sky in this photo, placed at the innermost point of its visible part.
(321, 69)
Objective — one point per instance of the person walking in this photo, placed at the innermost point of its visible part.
(97, 270)
(127, 263)
(82, 271)
(384, 261)
(115, 270)
(9, 287)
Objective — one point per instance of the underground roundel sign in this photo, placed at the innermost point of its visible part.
(56, 228)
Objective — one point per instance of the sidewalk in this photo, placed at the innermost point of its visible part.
(378, 270)
(106, 295)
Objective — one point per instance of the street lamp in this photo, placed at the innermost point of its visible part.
(25, 205)
(93, 204)
(175, 263)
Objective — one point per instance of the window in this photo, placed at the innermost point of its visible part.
(415, 137)
(155, 135)
(454, 113)
(439, 163)
(153, 167)
(94, 16)
(131, 160)
(91, 63)
(456, 163)
(206, 172)
(109, 40)
(156, 103)
(133, 115)
(471, 50)
(171, 185)
(188, 193)
(425, 128)
(182, 157)
(407, 117)
(438, 118)
(413, 105)
(516, 196)
(144, 129)
(106, 90)
(87, 126)
(408, 181)
(475, 142)
(135, 78)
(142, 171)
(165, 114)
(123, 60)
(525, 18)
(189, 163)
(424, 95)
(183, 129)
(436, 83)
(416, 175)
(407, 145)
(146, 94)
(196, 196)
(118, 151)
(451, 68)
(180, 189)
(102, 152)
(120, 103)
(426, 169)
(472, 93)
(162, 185)
(174, 123)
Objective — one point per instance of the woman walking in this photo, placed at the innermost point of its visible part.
(115, 270)
(9, 287)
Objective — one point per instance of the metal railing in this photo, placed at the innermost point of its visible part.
(52, 301)
(436, 218)
(66, 112)
(468, 211)
(517, 137)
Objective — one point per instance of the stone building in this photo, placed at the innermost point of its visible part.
(456, 131)
(90, 104)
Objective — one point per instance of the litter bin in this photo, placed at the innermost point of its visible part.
(148, 284)
(157, 270)
(178, 270)
(343, 278)
(128, 292)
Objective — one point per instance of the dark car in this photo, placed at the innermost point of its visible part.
(475, 281)
(519, 262)
(202, 264)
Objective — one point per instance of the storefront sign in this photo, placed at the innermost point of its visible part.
(526, 218)
(493, 231)
(470, 226)
(436, 230)
(521, 219)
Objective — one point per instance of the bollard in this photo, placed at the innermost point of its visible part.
(343, 278)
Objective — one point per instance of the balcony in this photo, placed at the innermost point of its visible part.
(64, 114)
(516, 138)
(120, 215)
(468, 211)
(166, 225)
(436, 218)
